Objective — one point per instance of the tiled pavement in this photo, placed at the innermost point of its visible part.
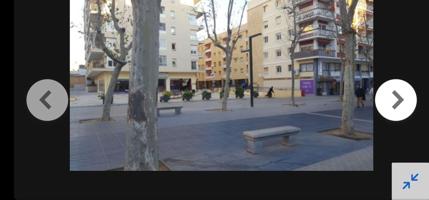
(217, 145)
(361, 160)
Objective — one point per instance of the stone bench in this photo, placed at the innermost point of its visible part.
(255, 138)
(177, 109)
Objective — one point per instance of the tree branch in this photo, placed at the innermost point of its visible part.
(239, 26)
(115, 19)
(100, 39)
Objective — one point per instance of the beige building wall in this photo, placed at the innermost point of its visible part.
(212, 63)
(178, 43)
(254, 15)
(270, 69)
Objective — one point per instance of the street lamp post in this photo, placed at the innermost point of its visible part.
(251, 66)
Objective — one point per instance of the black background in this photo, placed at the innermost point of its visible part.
(41, 149)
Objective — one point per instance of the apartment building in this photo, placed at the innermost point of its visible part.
(318, 53)
(271, 62)
(364, 24)
(178, 47)
(212, 62)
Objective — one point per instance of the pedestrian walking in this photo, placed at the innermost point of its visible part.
(270, 92)
(360, 95)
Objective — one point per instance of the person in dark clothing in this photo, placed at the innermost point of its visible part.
(360, 94)
(270, 92)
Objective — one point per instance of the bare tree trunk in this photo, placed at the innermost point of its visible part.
(119, 59)
(293, 82)
(342, 81)
(142, 149)
(109, 94)
(347, 12)
(348, 96)
(227, 78)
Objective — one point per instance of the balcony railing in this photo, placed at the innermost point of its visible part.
(365, 40)
(326, 33)
(301, 1)
(316, 12)
(315, 52)
(361, 57)
(91, 48)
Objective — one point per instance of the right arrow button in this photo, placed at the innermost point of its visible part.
(400, 99)
(394, 107)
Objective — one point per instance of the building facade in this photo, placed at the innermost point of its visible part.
(212, 62)
(318, 55)
(178, 47)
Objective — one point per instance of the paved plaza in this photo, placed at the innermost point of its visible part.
(203, 139)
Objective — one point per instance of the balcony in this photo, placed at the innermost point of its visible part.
(206, 58)
(196, 27)
(370, 24)
(315, 13)
(331, 73)
(315, 53)
(318, 33)
(361, 57)
(365, 74)
(297, 2)
(365, 40)
(92, 51)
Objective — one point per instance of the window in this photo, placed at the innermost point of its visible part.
(360, 49)
(265, 70)
(279, 36)
(306, 67)
(172, 14)
(278, 69)
(192, 20)
(162, 43)
(265, 24)
(162, 10)
(193, 36)
(278, 52)
(289, 67)
(241, 70)
(173, 30)
(110, 63)
(265, 54)
(265, 8)
(194, 50)
(162, 60)
(193, 65)
(173, 46)
(162, 26)
(266, 39)
(173, 62)
(278, 20)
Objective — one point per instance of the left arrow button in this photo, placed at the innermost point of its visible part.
(43, 99)
(47, 100)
